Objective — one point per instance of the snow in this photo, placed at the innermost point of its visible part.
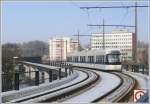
(142, 79)
(108, 82)
(42, 65)
(80, 77)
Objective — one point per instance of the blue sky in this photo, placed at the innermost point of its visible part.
(26, 21)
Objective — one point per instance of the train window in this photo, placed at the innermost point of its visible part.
(100, 59)
(82, 58)
(76, 59)
(113, 58)
(91, 59)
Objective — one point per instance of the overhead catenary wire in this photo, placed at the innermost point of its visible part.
(112, 7)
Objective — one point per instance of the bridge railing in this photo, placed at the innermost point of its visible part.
(23, 78)
(139, 68)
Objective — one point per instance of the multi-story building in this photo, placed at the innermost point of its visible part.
(60, 46)
(120, 39)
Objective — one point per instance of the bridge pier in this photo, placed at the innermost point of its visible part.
(43, 77)
(29, 72)
(16, 81)
(66, 72)
(50, 76)
(36, 78)
(69, 69)
(59, 74)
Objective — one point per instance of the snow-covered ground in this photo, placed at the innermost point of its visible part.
(107, 83)
(143, 80)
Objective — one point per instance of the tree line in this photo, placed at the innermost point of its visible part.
(29, 49)
(38, 48)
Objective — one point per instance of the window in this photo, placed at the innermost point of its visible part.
(75, 58)
(91, 59)
(82, 58)
(113, 58)
(100, 59)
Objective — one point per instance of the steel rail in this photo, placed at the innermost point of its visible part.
(114, 91)
(120, 85)
(56, 98)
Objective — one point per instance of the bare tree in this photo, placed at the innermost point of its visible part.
(34, 49)
(9, 50)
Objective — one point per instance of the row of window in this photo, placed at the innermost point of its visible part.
(90, 59)
(99, 42)
(124, 53)
(101, 39)
(112, 46)
(119, 35)
(126, 49)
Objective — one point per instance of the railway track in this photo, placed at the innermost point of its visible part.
(117, 94)
(120, 93)
(91, 78)
(78, 90)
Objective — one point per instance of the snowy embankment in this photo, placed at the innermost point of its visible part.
(142, 80)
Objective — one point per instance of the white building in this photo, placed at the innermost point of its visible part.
(60, 46)
(120, 39)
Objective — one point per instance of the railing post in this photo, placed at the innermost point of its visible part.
(50, 75)
(16, 81)
(143, 69)
(29, 72)
(132, 68)
(36, 78)
(66, 71)
(138, 68)
(127, 67)
(69, 69)
(59, 73)
(72, 69)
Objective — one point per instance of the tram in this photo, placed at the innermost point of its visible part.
(108, 59)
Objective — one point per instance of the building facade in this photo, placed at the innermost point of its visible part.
(119, 39)
(60, 46)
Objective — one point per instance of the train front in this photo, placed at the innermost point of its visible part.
(113, 60)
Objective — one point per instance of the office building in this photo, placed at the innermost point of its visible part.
(120, 39)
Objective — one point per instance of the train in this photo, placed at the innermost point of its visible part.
(102, 59)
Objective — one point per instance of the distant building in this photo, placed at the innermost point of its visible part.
(120, 39)
(60, 46)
